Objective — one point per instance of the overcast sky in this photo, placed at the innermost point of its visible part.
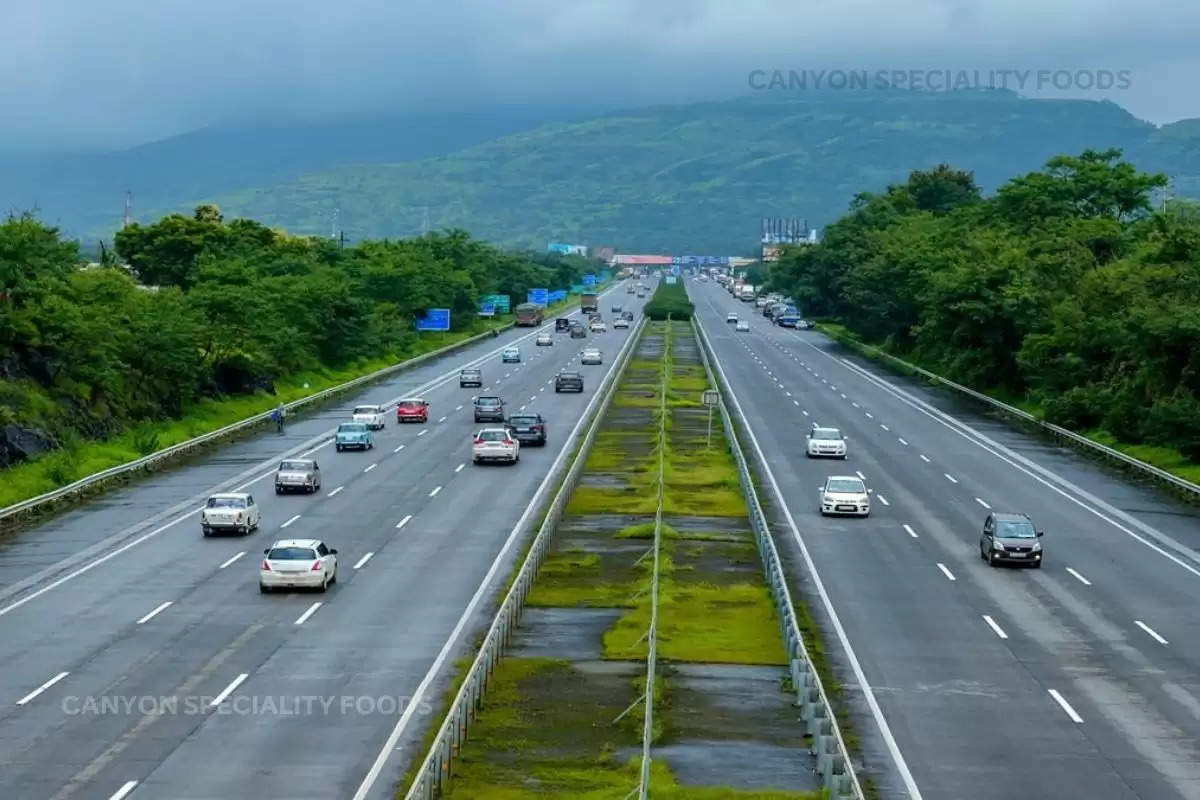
(98, 73)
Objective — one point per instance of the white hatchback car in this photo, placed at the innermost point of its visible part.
(598, 326)
(545, 340)
(234, 512)
(825, 442)
(620, 322)
(371, 416)
(743, 326)
(297, 564)
(495, 444)
(845, 494)
(591, 355)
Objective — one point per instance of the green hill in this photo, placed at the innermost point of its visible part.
(699, 177)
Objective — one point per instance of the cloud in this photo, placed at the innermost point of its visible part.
(127, 71)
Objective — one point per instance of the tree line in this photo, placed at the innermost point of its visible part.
(194, 306)
(1074, 288)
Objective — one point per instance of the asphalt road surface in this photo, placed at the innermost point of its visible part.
(140, 660)
(1077, 680)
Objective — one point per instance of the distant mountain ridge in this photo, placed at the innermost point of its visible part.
(694, 177)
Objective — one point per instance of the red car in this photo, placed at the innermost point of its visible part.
(412, 409)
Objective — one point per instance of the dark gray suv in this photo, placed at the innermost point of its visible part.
(1010, 539)
(489, 409)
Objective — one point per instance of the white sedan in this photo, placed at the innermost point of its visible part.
(495, 444)
(297, 564)
(235, 512)
(591, 355)
(545, 340)
(598, 326)
(371, 416)
(742, 326)
(845, 494)
(620, 322)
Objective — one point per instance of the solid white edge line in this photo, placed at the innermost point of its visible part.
(910, 531)
(370, 467)
(418, 694)
(459, 467)
(864, 685)
(1153, 634)
(1079, 577)
(435, 490)
(404, 521)
(124, 791)
(992, 624)
(231, 560)
(946, 571)
(1062, 702)
(981, 502)
(228, 690)
(155, 612)
(42, 688)
(290, 521)
(363, 560)
(311, 610)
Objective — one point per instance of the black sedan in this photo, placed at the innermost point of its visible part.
(568, 382)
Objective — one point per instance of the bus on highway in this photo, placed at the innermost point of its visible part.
(529, 315)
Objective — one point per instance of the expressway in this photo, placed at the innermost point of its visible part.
(1078, 680)
(140, 660)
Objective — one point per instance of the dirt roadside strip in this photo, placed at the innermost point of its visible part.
(563, 711)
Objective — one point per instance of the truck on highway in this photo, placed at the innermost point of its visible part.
(529, 315)
(589, 301)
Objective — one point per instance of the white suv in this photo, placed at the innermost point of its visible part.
(496, 444)
(235, 512)
(297, 564)
(826, 442)
(371, 416)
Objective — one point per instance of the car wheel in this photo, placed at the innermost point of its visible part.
(207, 532)
(333, 580)
(278, 490)
(264, 589)
(371, 446)
(339, 448)
(324, 587)
(991, 559)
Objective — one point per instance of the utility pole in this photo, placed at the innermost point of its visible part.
(127, 219)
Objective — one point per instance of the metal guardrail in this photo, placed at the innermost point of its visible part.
(220, 433)
(1149, 470)
(435, 769)
(828, 747)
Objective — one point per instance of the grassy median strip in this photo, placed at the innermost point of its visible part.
(562, 716)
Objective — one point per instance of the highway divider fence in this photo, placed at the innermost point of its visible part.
(435, 770)
(828, 747)
(1180, 485)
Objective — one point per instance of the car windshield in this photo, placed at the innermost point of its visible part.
(845, 486)
(351, 427)
(568, 375)
(827, 433)
(493, 436)
(469, 373)
(367, 410)
(1015, 530)
(510, 350)
(524, 420)
(488, 401)
(409, 404)
(226, 502)
(292, 554)
(295, 466)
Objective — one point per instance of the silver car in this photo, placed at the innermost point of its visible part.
(845, 494)
(591, 355)
(298, 475)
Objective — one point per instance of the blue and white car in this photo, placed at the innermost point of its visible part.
(511, 354)
(353, 436)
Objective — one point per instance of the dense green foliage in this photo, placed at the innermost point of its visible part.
(1066, 288)
(669, 299)
(221, 309)
(698, 178)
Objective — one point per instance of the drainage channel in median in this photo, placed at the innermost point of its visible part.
(561, 716)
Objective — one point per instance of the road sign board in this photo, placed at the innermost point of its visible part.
(538, 296)
(435, 319)
(500, 301)
(487, 309)
(710, 397)
(589, 280)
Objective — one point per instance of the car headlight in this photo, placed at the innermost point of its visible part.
(997, 546)
(1037, 546)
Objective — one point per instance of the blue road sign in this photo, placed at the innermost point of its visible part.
(540, 297)
(487, 309)
(589, 280)
(558, 295)
(435, 319)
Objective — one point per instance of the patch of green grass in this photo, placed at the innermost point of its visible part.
(1165, 458)
(645, 530)
(600, 500)
(575, 579)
